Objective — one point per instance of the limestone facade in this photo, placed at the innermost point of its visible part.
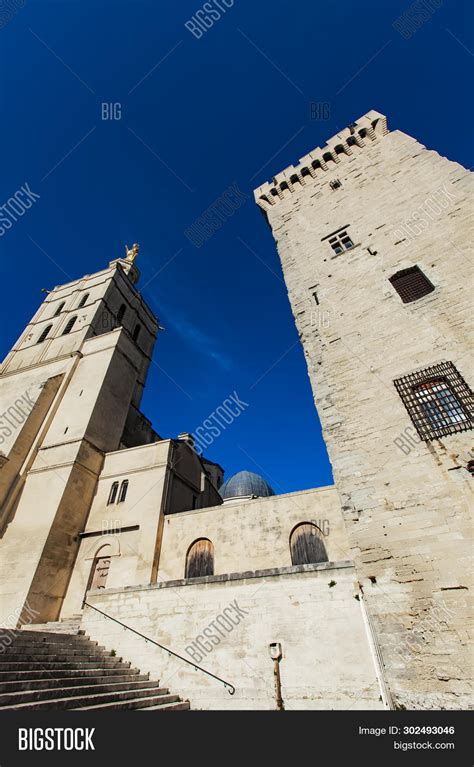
(406, 501)
(97, 510)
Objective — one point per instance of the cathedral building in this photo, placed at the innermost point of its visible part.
(348, 596)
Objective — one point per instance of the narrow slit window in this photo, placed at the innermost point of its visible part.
(120, 314)
(44, 334)
(83, 300)
(123, 491)
(113, 493)
(69, 326)
(411, 284)
(59, 309)
(136, 332)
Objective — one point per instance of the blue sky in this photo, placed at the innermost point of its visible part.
(198, 115)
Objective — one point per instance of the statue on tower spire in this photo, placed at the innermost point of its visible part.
(131, 253)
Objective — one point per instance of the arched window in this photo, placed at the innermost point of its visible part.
(44, 334)
(123, 491)
(306, 545)
(121, 313)
(136, 332)
(83, 300)
(113, 493)
(60, 308)
(69, 326)
(200, 559)
(100, 568)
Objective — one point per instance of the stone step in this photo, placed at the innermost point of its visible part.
(47, 682)
(61, 664)
(51, 640)
(148, 704)
(79, 656)
(47, 635)
(28, 696)
(73, 630)
(44, 669)
(54, 651)
(64, 673)
(83, 701)
(183, 706)
(69, 626)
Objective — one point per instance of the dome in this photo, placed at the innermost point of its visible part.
(245, 484)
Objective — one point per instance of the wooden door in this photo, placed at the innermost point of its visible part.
(306, 545)
(200, 559)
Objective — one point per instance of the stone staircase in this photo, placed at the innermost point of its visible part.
(69, 626)
(43, 670)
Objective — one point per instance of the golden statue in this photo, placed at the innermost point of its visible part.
(132, 252)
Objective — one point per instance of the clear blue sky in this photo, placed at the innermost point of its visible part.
(232, 106)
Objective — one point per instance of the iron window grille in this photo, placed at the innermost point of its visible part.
(411, 284)
(438, 401)
(340, 242)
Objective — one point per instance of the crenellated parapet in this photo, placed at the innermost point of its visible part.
(312, 167)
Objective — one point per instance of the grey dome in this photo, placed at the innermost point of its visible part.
(245, 483)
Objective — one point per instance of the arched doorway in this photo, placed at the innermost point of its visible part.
(200, 559)
(306, 545)
(100, 568)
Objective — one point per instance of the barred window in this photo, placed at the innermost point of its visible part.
(411, 284)
(438, 400)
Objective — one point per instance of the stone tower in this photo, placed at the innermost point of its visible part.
(70, 390)
(372, 233)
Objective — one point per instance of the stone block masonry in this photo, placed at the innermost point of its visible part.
(326, 660)
(344, 223)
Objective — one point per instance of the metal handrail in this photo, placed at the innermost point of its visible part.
(229, 687)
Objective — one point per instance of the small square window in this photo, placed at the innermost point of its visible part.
(341, 242)
(438, 401)
(411, 284)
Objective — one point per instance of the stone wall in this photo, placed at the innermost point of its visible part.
(310, 610)
(406, 502)
(253, 534)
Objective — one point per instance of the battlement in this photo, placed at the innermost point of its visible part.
(368, 128)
